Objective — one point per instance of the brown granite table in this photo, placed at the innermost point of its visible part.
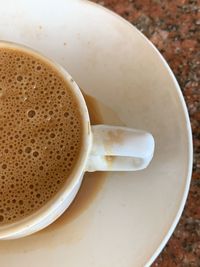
(174, 27)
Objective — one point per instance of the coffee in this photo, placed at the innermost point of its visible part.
(40, 133)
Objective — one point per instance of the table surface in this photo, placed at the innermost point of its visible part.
(174, 27)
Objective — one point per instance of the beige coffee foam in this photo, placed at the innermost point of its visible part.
(40, 133)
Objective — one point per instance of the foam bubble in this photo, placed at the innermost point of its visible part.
(31, 113)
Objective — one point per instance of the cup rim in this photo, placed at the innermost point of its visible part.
(24, 226)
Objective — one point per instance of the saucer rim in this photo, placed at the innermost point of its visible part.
(187, 127)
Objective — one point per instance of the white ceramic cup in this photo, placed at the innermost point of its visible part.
(104, 148)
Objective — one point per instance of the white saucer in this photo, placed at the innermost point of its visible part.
(133, 215)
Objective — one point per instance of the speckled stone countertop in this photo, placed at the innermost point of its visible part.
(174, 27)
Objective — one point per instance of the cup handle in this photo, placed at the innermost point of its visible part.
(119, 149)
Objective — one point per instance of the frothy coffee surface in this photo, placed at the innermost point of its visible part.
(40, 133)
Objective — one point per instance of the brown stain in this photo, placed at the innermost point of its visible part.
(91, 185)
(93, 109)
(100, 113)
(116, 136)
(63, 230)
(109, 161)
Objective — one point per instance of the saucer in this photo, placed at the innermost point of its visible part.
(118, 219)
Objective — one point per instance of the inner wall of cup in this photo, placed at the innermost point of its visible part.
(78, 170)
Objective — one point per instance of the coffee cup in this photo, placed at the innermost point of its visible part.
(102, 148)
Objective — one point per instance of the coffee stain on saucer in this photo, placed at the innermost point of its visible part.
(100, 113)
(66, 229)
